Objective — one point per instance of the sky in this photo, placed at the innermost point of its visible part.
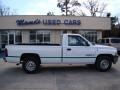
(42, 7)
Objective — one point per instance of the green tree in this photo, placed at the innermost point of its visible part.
(114, 20)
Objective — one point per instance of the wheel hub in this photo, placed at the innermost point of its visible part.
(30, 66)
(104, 64)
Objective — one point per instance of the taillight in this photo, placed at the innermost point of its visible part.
(6, 52)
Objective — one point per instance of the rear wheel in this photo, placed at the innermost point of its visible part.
(30, 65)
(103, 63)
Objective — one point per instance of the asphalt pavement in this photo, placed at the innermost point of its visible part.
(59, 77)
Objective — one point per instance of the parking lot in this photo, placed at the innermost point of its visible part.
(62, 77)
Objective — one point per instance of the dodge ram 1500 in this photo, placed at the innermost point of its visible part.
(74, 49)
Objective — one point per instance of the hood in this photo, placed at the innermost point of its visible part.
(105, 47)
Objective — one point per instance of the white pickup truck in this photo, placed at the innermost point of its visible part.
(74, 49)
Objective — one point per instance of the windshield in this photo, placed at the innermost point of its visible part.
(115, 40)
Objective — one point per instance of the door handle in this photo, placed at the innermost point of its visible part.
(68, 49)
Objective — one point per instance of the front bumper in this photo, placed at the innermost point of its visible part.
(115, 59)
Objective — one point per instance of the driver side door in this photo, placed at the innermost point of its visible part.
(78, 51)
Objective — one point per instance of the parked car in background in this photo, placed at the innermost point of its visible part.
(114, 42)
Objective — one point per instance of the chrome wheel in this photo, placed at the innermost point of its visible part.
(30, 65)
(104, 64)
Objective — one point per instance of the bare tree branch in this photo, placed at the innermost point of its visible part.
(5, 11)
(94, 7)
(66, 5)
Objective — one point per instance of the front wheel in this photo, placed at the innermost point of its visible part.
(30, 65)
(103, 63)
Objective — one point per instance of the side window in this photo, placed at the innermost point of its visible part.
(76, 41)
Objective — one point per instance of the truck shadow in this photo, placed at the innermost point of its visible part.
(43, 69)
(56, 69)
(67, 68)
(73, 69)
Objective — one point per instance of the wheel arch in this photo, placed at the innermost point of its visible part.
(109, 55)
(30, 55)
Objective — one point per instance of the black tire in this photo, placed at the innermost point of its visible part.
(103, 63)
(30, 65)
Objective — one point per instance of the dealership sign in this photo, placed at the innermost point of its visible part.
(22, 22)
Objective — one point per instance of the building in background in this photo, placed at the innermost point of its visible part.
(48, 29)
